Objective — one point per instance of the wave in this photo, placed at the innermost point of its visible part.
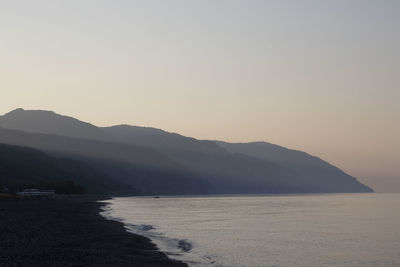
(145, 227)
(185, 245)
(180, 249)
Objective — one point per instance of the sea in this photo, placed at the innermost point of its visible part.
(268, 230)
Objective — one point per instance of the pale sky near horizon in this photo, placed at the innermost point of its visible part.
(318, 76)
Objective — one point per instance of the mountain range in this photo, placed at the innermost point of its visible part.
(154, 161)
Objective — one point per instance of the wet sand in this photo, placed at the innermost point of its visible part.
(68, 231)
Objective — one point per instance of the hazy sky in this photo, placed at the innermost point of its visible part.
(319, 76)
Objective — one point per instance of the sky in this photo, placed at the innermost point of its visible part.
(318, 76)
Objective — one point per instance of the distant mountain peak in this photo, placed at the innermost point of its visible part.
(48, 122)
(38, 112)
(17, 110)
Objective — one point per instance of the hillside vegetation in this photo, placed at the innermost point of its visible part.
(22, 167)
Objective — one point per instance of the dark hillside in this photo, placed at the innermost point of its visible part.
(141, 167)
(22, 167)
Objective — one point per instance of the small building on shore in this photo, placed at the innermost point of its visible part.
(31, 192)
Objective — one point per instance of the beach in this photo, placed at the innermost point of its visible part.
(69, 231)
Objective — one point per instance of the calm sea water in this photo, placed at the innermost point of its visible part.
(293, 230)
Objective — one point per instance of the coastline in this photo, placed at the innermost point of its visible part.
(69, 231)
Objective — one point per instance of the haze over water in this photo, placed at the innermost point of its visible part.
(289, 230)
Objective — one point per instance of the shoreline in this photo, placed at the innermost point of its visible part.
(69, 231)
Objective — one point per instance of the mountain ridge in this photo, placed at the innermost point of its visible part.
(265, 168)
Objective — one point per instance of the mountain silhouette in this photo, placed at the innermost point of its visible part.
(48, 122)
(158, 161)
(310, 168)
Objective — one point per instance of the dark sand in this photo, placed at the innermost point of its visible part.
(70, 232)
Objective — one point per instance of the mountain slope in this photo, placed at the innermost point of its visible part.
(200, 165)
(323, 175)
(159, 139)
(48, 122)
(206, 165)
(139, 167)
(22, 166)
